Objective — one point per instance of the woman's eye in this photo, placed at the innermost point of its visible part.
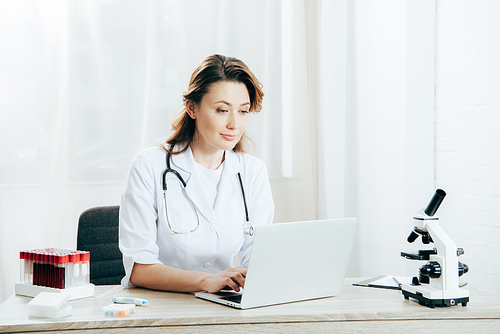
(221, 111)
(244, 111)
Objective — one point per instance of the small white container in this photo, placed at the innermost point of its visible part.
(49, 305)
(119, 310)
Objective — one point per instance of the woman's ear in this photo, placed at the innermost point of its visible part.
(191, 108)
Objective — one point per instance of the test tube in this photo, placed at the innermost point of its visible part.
(56, 277)
(62, 261)
(47, 269)
(22, 262)
(39, 266)
(43, 281)
(85, 261)
(74, 268)
(50, 267)
(30, 267)
(79, 279)
(36, 265)
(40, 261)
(61, 270)
(67, 269)
(53, 269)
(27, 269)
(49, 281)
(43, 265)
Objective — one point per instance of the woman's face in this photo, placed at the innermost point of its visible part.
(221, 117)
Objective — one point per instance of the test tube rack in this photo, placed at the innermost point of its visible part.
(55, 270)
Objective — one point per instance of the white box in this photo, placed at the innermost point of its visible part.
(49, 305)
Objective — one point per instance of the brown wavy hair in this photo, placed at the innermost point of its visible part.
(213, 69)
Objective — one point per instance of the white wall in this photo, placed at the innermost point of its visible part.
(468, 133)
(423, 112)
(390, 128)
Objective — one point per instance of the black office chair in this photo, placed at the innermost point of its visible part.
(98, 233)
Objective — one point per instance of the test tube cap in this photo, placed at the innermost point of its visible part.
(62, 258)
(85, 256)
(74, 257)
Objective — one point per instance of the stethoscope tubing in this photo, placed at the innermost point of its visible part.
(246, 228)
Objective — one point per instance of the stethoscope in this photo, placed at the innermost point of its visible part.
(247, 229)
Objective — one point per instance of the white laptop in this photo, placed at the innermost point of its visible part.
(292, 262)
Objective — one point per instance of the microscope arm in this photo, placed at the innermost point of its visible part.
(446, 255)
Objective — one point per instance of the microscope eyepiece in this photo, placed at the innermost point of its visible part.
(435, 202)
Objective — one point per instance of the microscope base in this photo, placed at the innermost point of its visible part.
(435, 302)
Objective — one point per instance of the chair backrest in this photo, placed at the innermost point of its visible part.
(98, 233)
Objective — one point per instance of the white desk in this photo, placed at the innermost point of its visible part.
(356, 309)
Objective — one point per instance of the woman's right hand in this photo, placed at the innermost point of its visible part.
(233, 278)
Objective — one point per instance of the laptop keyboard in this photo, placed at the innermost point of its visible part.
(234, 299)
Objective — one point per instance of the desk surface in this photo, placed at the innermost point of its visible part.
(355, 309)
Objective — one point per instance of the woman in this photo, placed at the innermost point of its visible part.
(187, 237)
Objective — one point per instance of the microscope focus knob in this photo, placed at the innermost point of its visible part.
(431, 269)
(462, 268)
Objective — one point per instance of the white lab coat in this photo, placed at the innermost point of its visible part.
(145, 236)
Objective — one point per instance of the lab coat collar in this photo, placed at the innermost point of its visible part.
(228, 186)
(185, 161)
(231, 162)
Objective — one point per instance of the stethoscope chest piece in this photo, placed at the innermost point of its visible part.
(248, 230)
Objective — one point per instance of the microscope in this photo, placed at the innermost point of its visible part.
(437, 283)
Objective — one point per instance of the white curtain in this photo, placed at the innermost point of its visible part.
(84, 85)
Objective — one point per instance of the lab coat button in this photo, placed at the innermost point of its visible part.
(213, 228)
(207, 265)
